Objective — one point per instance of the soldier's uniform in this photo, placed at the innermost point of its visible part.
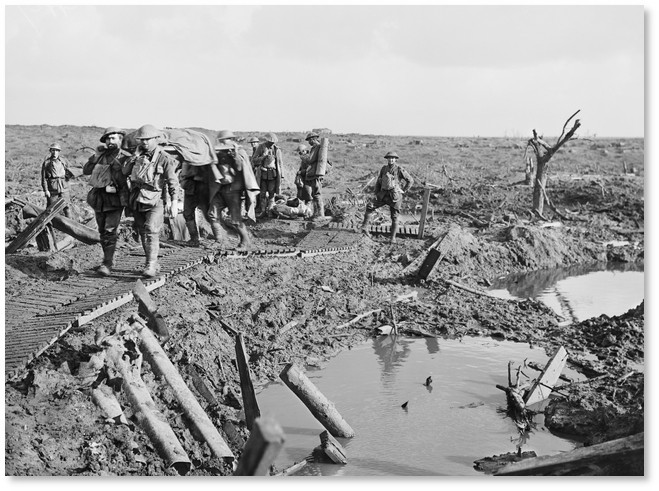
(195, 184)
(268, 162)
(313, 176)
(151, 174)
(55, 174)
(389, 191)
(108, 194)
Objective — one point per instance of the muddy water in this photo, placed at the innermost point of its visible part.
(581, 292)
(445, 427)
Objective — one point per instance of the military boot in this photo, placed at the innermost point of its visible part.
(394, 230)
(245, 241)
(218, 232)
(194, 233)
(152, 247)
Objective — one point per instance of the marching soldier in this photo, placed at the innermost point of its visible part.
(313, 178)
(389, 191)
(55, 174)
(109, 192)
(233, 178)
(150, 171)
(268, 161)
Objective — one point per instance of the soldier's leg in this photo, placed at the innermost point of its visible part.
(394, 223)
(272, 184)
(371, 206)
(233, 201)
(67, 211)
(214, 213)
(316, 194)
(263, 196)
(152, 225)
(189, 207)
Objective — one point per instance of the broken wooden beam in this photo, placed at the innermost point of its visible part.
(162, 366)
(543, 385)
(252, 411)
(71, 227)
(424, 212)
(265, 442)
(332, 448)
(321, 407)
(46, 239)
(624, 456)
(37, 225)
(289, 471)
(149, 310)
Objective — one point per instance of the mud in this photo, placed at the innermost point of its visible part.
(52, 427)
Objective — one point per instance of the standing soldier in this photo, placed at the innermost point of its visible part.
(109, 192)
(54, 176)
(268, 160)
(389, 191)
(313, 179)
(302, 150)
(254, 142)
(234, 176)
(149, 170)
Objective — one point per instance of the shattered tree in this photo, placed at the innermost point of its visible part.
(543, 153)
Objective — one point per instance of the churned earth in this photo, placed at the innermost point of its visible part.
(292, 310)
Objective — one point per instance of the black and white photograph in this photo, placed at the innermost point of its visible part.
(312, 240)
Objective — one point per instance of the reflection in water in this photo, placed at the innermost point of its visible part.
(579, 292)
(391, 352)
(432, 345)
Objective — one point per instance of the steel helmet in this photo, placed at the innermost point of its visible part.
(312, 135)
(55, 146)
(391, 155)
(225, 135)
(271, 137)
(110, 131)
(302, 148)
(147, 131)
(253, 140)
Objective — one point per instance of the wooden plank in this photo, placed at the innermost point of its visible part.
(424, 212)
(624, 455)
(265, 442)
(46, 239)
(332, 448)
(37, 225)
(544, 384)
(252, 411)
(148, 309)
(67, 225)
(429, 263)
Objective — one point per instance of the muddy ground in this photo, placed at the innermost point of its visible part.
(52, 427)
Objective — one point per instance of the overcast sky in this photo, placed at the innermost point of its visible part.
(382, 69)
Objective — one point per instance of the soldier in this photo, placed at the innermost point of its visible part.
(109, 192)
(149, 170)
(194, 182)
(313, 178)
(234, 177)
(254, 142)
(268, 161)
(302, 150)
(55, 174)
(389, 191)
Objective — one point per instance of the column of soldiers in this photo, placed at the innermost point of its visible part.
(146, 184)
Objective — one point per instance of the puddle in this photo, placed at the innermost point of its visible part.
(446, 426)
(579, 292)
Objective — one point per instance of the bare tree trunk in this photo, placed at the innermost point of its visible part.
(543, 154)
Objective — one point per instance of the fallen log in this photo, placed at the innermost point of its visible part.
(162, 366)
(76, 230)
(37, 225)
(321, 407)
(265, 442)
(358, 318)
(149, 310)
(289, 471)
(104, 398)
(621, 457)
(148, 416)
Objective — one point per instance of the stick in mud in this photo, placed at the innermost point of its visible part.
(322, 408)
(252, 411)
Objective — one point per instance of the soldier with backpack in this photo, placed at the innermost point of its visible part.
(389, 191)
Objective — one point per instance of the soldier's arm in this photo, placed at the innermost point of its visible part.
(408, 179)
(280, 159)
(377, 181)
(89, 165)
(170, 177)
(44, 185)
(241, 159)
(67, 170)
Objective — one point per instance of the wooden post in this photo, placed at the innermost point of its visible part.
(148, 309)
(161, 364)
(265, 442)
(424, 211)
(37, 225)
(332, 448)
(76, 230)
(321, 407)
(252, 411)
